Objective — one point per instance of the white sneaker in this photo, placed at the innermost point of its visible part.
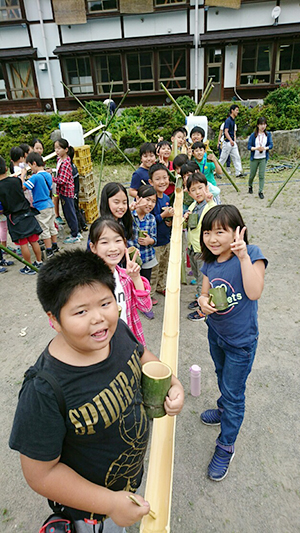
(71, 240)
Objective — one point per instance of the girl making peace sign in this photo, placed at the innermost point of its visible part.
(132, 291)
(231, 263)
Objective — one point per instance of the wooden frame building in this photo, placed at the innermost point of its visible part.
(246, 49)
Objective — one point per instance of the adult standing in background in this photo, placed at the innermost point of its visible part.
(229, 147)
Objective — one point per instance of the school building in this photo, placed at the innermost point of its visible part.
(248, 47)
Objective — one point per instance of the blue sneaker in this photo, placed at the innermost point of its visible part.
(71, 240)
(2, 270)
(59, 220)
(193, 282)
(211, 417)
(218, 466)
(148, 314)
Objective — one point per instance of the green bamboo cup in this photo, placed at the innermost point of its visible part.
(142, 234)
(156, 382)
(193, 221)
(219, 298)
(131, 252)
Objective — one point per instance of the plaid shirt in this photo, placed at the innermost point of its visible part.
(147, 224)
(135, 299)
(64, 178)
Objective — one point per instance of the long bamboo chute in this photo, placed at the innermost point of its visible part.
(160, 470)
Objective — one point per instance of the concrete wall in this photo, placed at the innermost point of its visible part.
(249, 15)
(285, 143)
(155, 24)
(93, 30)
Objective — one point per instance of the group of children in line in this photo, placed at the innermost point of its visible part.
(96, 451)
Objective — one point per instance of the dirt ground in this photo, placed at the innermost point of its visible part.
(261, 492)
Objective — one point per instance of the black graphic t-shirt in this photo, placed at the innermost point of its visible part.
(105, 434)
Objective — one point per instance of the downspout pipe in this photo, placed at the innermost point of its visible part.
(47, 57)
(196, 50)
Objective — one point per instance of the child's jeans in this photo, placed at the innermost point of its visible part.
(159, 272)
(232, 366)
(108, 527)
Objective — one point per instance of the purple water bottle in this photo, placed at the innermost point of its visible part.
(195, 380)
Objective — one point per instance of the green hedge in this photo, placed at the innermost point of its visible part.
(136, 125)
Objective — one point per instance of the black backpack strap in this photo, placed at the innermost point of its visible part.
(31, 373)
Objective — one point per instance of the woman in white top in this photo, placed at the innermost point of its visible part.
(259, 144)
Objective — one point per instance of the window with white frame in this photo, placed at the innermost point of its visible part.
(140, 71)
(96, 6)
(108, 68)
(10, 10)
(256, 64)
(172, 68)
(79, 78)
(287, 61)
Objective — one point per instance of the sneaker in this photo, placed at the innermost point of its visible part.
(211, 417)
(55, 248)
(59, 220)
(79, 236)
(196, 315)
(261, 195)
(6, 263)
(218, 466)
(27, 270)
(148, 314)
(71, 240)
(241, 175)
(154, 302)
(193, 282)
(38, 264)
(250, 190)
(218, 176)
(163, 292)
(85, 228)
(2, 270)
(49, 253)
(193, 305)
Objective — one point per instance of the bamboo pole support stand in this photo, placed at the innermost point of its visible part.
(204, 97)
(160, 470)
(172, 99)
(283, 185)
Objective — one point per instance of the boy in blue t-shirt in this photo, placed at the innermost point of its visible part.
(141, 176)
(92, 458)
(40, 184)
(159, 179)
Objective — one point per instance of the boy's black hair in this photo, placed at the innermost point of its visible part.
(146, 190)
(198, 144)
(62, 274)
(147, 147)
(34, 157)
(197, 177)
(15, 153)
(179, 130)
(197, 129)
(179, 160)
(162, 143)
(155, 167)
(226, 216)
(109, 190)
(232, 107)
(25, 147)
(190, 166)
(2, 166)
